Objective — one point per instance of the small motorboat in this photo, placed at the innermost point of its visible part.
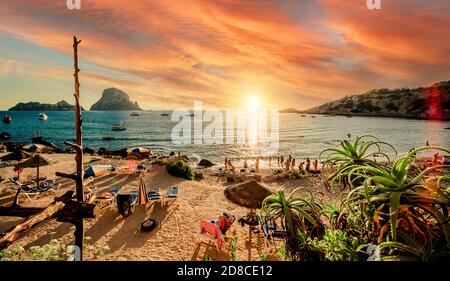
(109, 138)
(5, 136)
(134, 114)
(119, 127)
(165, 114)
(7, 119)
(42, 116)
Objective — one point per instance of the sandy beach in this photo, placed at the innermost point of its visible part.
(177, 237)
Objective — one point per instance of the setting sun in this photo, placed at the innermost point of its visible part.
(253, 102)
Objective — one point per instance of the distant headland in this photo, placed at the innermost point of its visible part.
(36, 106)
(421, 103)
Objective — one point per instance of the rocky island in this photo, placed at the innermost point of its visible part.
(114, 100)
(421, 103)
(36, 106)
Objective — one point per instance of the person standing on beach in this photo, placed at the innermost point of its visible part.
(293, 165)
(300, 167)
(257, 165)
(232, 169)
(308, 165)
(288, 165)
(226, 164)
(278, 161)
(282, 160)
(315, 165)
(270, 161)
(245, 164)
(427, 144)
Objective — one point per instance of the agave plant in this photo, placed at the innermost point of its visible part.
(405, 201)
(298, 214)
(353, 154)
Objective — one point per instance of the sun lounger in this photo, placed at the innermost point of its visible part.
(154, 194)
(213, 231)
(173, 192)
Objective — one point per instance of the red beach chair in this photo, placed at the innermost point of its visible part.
(213, 232)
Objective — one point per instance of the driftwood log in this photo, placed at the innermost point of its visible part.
(62, 208)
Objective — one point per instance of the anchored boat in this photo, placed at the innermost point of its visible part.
(119, 127)
(7, 119)
(42, 116)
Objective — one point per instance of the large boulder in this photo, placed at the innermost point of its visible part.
(205, 163)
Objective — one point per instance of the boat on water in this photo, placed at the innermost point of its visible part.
(164, 114)
(119, 127)
(134, 114)
(7, 119)
(5, 136)
(302, 115)
(42, 116)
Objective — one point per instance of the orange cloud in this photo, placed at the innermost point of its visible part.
(295, 53)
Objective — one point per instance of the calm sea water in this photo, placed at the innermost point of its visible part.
(299, 136)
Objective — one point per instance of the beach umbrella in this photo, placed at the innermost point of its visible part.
(249, 194)
(36, 161)
(17, 155)
(142, 197)
(35, 147)
(137, 150)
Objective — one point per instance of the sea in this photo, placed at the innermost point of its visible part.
(301, 136)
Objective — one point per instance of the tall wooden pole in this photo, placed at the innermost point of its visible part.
(79, 224)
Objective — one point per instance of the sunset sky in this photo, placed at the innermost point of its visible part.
(167, 53)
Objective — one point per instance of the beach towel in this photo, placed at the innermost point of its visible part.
(213, 231)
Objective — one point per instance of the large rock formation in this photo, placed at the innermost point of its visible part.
(115, 100)
(422, 103)
(36, 106)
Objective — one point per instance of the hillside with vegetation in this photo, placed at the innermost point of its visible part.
(421, 103)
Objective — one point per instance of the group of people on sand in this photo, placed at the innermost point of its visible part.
(303, 167)
(287, 165)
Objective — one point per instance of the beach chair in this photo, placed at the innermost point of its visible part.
(173, 191)
(108, 197)
(212, 231)
(225, 221)
(154, 194)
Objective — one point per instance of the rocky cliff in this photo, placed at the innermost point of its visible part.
(115, 100)
(421, 103)
(36, 106)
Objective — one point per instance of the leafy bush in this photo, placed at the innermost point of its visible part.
(180, 169)
(53, 251)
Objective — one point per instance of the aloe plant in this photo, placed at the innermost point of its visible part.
(299, 214)
(404, 195)
(353, 154)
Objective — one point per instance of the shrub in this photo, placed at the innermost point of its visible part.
(180, 169)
